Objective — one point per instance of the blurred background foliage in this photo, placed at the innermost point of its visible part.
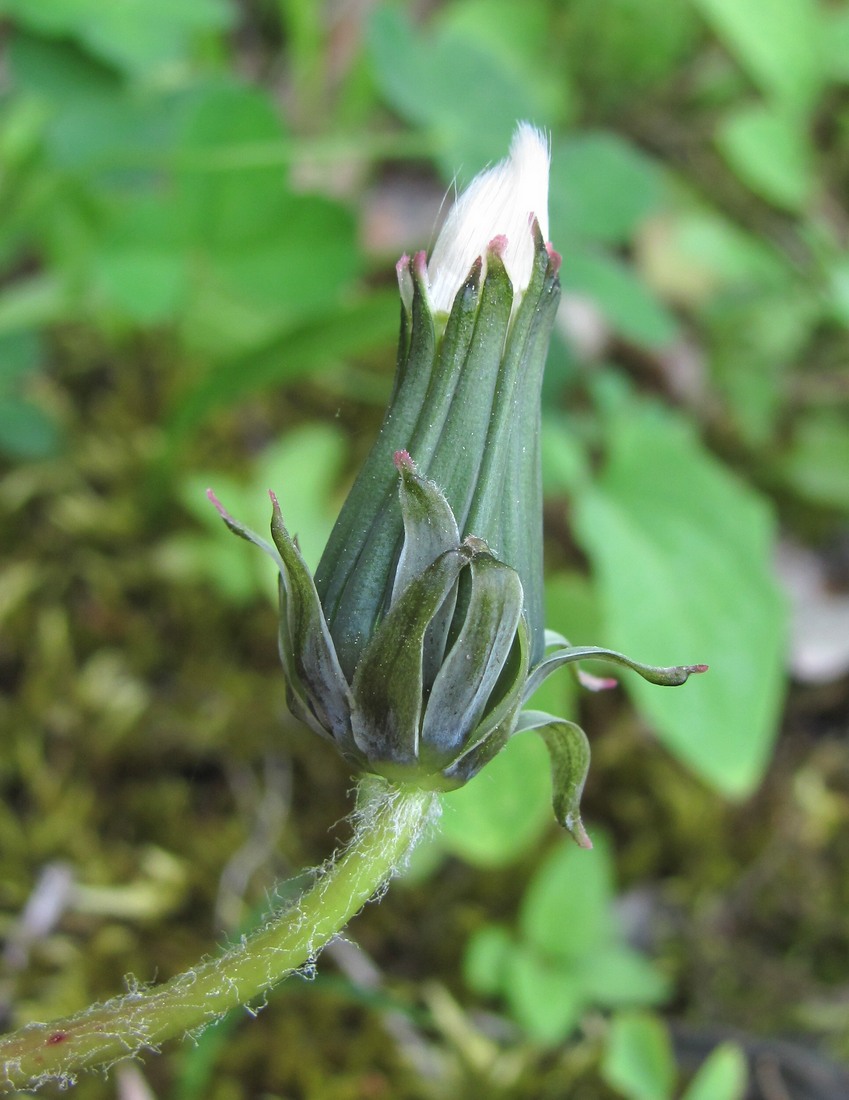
(202, 203)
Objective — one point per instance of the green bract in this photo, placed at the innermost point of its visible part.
(421, 637)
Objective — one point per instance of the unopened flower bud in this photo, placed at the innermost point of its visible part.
(422, 636)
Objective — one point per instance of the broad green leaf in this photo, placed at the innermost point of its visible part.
(779, 43)
(681, 554)
(307, 256)
(565, 913)
(501, 813)
(770, 151)
(543, 998)
(601, 189)
(627, 304)
(724, 1075)
(426, 77)
(638, 1058)
(227, 200)
(140, 265)
(120, 141)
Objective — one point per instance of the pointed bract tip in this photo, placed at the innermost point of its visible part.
(498, 246)
(218, 506)
(403, 461)
(698, 668)
(575, 827)
(554, 258)
(419, 264)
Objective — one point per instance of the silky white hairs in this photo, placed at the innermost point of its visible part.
(499, 202)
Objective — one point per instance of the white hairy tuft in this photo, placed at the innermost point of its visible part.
(499, 202)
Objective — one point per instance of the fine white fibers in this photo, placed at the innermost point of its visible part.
(498, 202)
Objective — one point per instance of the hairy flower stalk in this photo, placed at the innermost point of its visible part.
(417, 645)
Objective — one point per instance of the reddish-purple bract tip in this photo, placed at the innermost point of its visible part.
(216, 503)
(498, 245)
(596, 683)
(403, 461)
(554, 258)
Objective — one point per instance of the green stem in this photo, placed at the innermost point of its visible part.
(388, 822)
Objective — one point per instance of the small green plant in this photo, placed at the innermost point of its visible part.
(640, 1064)
(567, 954)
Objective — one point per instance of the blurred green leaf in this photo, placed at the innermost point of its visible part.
(307, 255)
(140, 264)
(118, 141)
(568, 955)
(135, 35)
(26, 432)
(543, 998)
(616, 975)
(486, 957)
(770, 151)
(626, 302)
(696, 254)
(226, 202)
(302, 469)
(621, 49)
(681, 553)
(58, 69)
(38, 300)
(601, 189)
(756, 340)
(817, 460)
(724, 1075)
(504, 810)
(638, 1059)
(353, 328)
(21, 353)
(426, 78)
(565, 911)
(836, 38)
(519, 35)
(837, 279)
(780, 44)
